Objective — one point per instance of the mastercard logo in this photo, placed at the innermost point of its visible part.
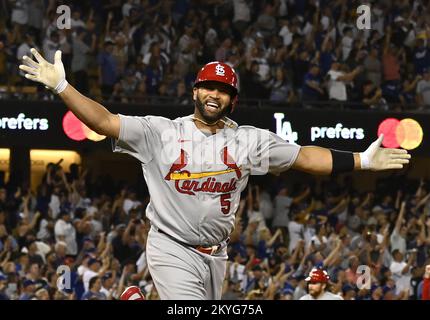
(406, 133)
(76, 130)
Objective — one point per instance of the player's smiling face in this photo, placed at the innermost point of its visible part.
(212, 100)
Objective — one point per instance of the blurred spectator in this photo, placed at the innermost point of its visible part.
(409, 90)
(391, 59)
(285, 33)
(141, 96)
(225, 30)
(187, 45)
(312, 86)
(80, 60)
(93, 292)
(42, 294)
(25, 46)
(391, 91)
(3, 286)
(401, 272)
(76, 21)
(426, 284)
(182, 97)
(221, 52)
(28, 288)
(338, 81)
(282, 207)
(251, 84)
(423, 90)
(372, 67)
(371, 97)
(66, 232)
(108, 281)
(232, 290)
(20, 12)
(281, 90)
(347, 43)
(327, 55)
(421, 56)
(7, 242)
(318, 282)
(266, 22)
(95, 270)
(242, 15)
(107, 69)
(50, 46)
(254, 212)
(210, 40)
(398, 236)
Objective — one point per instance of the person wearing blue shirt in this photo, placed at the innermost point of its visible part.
(312, 90)
(94, 290)
(107, 69)
(421, 56)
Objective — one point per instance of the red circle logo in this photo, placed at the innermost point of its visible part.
(76, 130)
(406, 133)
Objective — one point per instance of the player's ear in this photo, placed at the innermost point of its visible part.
(195, 93)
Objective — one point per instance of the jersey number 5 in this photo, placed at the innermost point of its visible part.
(225, 203)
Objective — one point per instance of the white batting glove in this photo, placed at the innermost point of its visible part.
(51, 75)
(376, 158)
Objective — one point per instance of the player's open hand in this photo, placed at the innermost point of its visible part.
(376, 158)
(51, 75)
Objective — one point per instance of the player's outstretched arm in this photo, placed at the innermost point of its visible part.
(323, 161)
(53, 76)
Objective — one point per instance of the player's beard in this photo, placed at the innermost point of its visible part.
(314, 292)
(209, 117)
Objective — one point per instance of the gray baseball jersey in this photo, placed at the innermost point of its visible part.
(195, 180)
(325, 296)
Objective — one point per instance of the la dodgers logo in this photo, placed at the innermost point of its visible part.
(219, 70)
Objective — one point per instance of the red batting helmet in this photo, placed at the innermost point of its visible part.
(317, 276)
(219, 72)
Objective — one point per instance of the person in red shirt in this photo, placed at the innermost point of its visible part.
(426, 284)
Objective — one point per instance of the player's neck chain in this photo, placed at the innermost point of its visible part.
(213, 123)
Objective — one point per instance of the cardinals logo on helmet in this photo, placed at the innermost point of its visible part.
(219, 70)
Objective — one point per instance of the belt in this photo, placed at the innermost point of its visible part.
(210, 250)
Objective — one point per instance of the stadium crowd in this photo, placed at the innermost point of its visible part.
(303, 53)
(95, 231)
(308, 53)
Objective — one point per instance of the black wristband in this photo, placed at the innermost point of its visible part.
(343, 161)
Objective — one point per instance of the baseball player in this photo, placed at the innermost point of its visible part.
(317, 285)
(196, 167)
